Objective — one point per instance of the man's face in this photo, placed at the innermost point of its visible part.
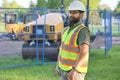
(74, 16)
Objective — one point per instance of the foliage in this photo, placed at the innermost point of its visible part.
(55, 4)
(94, 4)
(117, 9)
(13, 4)
(94, 15)
(67, 3)
(32, 4)
(41, 4)
(104, 6)
(5, 4)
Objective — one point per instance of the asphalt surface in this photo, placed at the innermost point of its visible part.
(9, 48)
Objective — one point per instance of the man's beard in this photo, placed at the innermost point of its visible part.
(73, 20)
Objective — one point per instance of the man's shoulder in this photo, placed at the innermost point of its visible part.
(84, 28)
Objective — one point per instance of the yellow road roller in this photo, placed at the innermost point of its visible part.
(42, 36)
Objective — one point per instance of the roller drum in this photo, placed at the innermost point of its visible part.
(50, 52)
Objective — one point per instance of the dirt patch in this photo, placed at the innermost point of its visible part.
(10, 48)
(99, 42)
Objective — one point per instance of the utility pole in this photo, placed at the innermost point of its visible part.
(87, 18)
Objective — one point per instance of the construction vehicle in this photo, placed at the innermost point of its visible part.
(42, 35)
(13, 28)
(11, 25)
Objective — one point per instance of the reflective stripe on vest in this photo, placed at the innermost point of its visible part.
(74, 36)
(69, 50)
(69, 62)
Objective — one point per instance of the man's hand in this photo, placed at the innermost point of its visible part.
(71, 75)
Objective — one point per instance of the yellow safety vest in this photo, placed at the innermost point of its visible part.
(69, 50)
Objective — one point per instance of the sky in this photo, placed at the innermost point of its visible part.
(111, 3)
(25, 3)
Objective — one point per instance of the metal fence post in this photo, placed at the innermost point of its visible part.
(108, 30)
(118, 25)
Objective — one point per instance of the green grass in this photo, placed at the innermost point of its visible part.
(2, 27)
(6, 61)
(94, 28)
(41, 72)
(104, 67)
(101, 67)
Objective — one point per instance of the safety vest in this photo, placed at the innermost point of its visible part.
(69, 50)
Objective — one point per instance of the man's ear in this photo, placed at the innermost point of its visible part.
(81, 15)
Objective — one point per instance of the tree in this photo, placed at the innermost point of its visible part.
(5, 4)
(32, 4)
(66, 3)
(41, 4)
(13, 4)
(94, 4)
(117, 9)
(104, 6)
(53, 4)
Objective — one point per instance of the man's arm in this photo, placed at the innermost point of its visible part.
(84, 54)
(83, 42)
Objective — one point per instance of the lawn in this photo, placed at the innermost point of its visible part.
(104, 67)
(2, 27)
(94, 28)
(101, 67)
